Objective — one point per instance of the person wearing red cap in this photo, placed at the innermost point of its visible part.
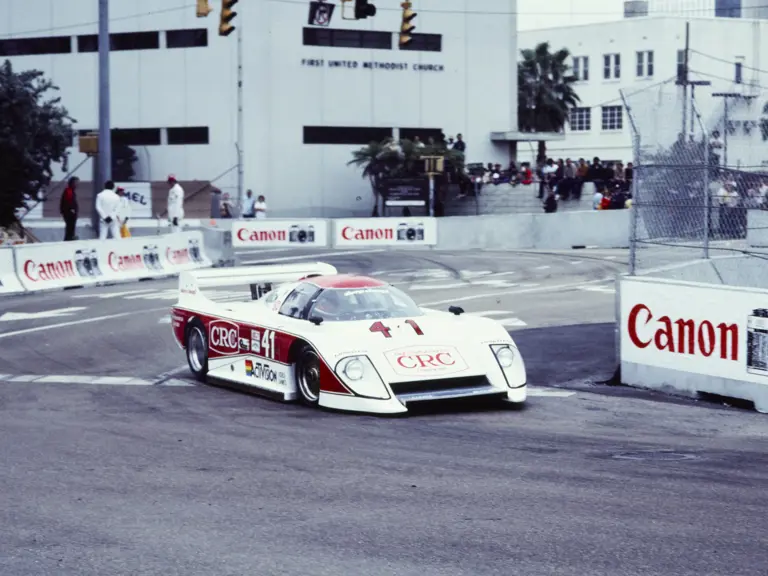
(175, 204)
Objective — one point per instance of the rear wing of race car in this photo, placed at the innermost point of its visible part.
(259, 278)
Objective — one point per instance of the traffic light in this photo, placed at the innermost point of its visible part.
(407, 28)
(226, 16)
(363, 9)
(203, 8)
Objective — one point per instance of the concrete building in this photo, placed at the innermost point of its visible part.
(642, 56)
(312, 94)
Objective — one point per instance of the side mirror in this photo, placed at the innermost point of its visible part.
(316, 320)
(456, 310)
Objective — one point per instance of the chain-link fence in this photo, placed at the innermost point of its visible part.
(700, 191)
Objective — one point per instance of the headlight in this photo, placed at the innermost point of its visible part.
(505, 356)
(354, 369)
(360, 376)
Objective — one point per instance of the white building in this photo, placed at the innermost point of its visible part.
(641, 56)
(312, 94)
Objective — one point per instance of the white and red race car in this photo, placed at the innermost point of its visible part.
(340, 341)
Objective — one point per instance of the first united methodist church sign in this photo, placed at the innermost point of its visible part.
(322, 63)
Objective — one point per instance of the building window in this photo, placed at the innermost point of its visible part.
(345, 135)
(612, 66)
(136, 136)
(36, 46)
(425, 43)
(121, 42)
(348, 38)
(581, 68)
(738, 73)
(728, 8)
(581, 119)
(190, 38)
(188, 135)
(680, 65)
(645, 64)
(424, 134)
(612, 118)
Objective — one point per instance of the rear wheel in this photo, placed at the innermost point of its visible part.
(197, 350)
(308, 376)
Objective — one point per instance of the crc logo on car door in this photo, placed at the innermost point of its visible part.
(224, 337)
(426, 361)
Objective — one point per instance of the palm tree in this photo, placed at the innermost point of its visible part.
(545, 92)
(390, 159)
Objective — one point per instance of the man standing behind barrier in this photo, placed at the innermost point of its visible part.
(175, 204)
(69, 208)
(107, 205)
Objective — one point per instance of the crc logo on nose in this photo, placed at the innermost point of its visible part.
(224, 337)
(425, 360)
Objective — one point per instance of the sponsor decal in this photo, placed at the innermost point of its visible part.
(49, 271)
(223, 337)
(426, 360)
(264, 371)
(352, 233)
(151, 256)
(249, 367)
(87, 262)
(245, 344)
(390, 231)
(682, 335)
(125, 262)
(178, 257)
(255, 342)
(194, 251)
(270, 233)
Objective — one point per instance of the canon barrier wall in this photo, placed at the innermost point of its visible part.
(694, 338)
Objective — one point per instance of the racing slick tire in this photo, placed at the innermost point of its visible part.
(197, 350)
(308, 376)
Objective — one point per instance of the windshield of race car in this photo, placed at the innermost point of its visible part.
(339, 304)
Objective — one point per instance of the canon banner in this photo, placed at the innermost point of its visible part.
(9, 284)
(67, 264)
(708, 330)
(385, 232)
(278, 233)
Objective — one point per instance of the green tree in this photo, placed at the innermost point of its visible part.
(545, 92)
(35, 131)
(390, 159)
(123, 159)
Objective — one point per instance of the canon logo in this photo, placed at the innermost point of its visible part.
(49, 271)
(177, 256)
(127, 262)
(682, 336)
(415, 361)
(351, 233)
(245, 235)
(224, 337)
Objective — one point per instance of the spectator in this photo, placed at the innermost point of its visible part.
(582, 172)
(108, 205)
(460, 145)
(261, 207)
(629, 174)
(417, 142)
(215, 203)
(597, 199)
(69, 209)
(568, 185)
(595, 173)
(124, 213)
(248, 208)
(550, 203)
(526, 175)
(547, 176)
(227, 210)
(175, 204)
(605, 203)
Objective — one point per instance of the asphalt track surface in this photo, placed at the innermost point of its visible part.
(145, 473)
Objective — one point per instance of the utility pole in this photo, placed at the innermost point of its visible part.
(693, 85)
(105, 132)
(684, 80)
(726, 96)
(240, 128)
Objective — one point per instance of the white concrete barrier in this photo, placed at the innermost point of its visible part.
(9, 283)
(400, 232)
(691, 337)
(280, 233)
(67, 264)
(557, 231)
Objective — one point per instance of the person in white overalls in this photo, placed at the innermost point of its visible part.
(108, 205)
(175, 204)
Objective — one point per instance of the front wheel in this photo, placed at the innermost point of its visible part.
(197, 350)
(308, 376)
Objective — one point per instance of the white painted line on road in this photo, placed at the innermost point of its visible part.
(529, 285)
(64, 379)
(577, 262)
(392, 272)
(169, 294)
(78, 322)
(315, 256)
(164, 320)
(176, 383)
(28, 378)
(439, 286)
(490, 313)
(114, 294)
(15, 316)
(542, 267)
(548, 392)
(474, 274)
(555, 288)
(239, 251)
(121, 381)
(494, 283)
(600, 289)
(511, 322)
(502, 273)
(4, 376)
